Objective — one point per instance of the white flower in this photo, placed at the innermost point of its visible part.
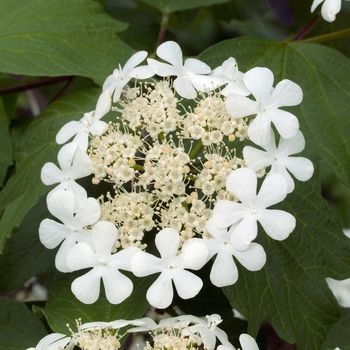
(207, 329)
(279, 159)
(266, 107)
(329, 8)
(71, 231)
(75, 164)
(248, 342)
(171, 52)
(224, 271)
(120, 77)
(172, 267)
(242, 183)
(231, 76)
(89, 124)
(104, 265)
(54, 341)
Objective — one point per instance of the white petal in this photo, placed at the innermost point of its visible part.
(81, 166)
(224, 270)
(104, 235)
(196, 66)
(294, 145)
(167, 242)
(226, 213)
(259, 130)
(103, 105)
(87, 287)
(186, 283)
(273, 190)
(244, 233)
(144, 264)
(286, 123)
(256, 159)
(142, 72)
(171, 52)
(99, 127)
(60, 204)
(160, 294)
(286, 93)
(302, 168)
(89, 214)
(278, 224)
(184, 88)
(329, 9)
(162, 69)
(81, 256)
(239, 106)
(68, 131)
(259, 82)
(63, 251)
(242, 184)
(117, 286)
(133, 61)
(247, 342)
(52, 233)
(194, 254)
(51, 174)
(315, 4)
(122, 259)
(253, 258)
(53, 341)
(279, 168)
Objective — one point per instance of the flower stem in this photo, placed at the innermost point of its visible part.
(330, 36)
(195, 149)
(163, 27)
(307, 27)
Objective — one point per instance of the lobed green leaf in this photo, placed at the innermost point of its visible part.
(53, 38)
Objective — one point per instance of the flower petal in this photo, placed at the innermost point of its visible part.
(144, 264)
(248, 342)
(329, 9)
(253, 258)
(81, 256)
(134, 61)
(184, 88)
(87, 287)
(160, 294)
(186, 283)
(239, 106)
(226, 213)
(224, 271)
(68, 131)
(104, 235)
(259, 130)
(273, 190)
(286, 93)
(167, 242)
(278, 224)
(117, 286)
(52, 233)
(259, 81)
(244, 233)
(194, 254)
(256, 159)
(171, 52)
(286, 123)
(60, 204)
(51, 174)
(89, 214)
(302, 168)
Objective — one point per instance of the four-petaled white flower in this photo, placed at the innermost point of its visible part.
(171, 52)
(105, 266)
(224, 271)
(279, 159)
(54, 341)
(172, 267)
(71, 231)
(75, 164)
(120, 77)
(329, 8)
(259, 82)
(231, 76)
(242, 183)
(89, 124)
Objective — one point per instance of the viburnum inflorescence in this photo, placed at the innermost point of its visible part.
(168, 168)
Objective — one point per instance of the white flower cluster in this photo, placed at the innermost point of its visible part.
(167, 165)
(183, 332)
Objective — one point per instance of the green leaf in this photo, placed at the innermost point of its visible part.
(66, 37)
(6, 144)
(339, 335)
(36, 147)
(24, 256)
(170, 6)
(19, 327)
(63, 307)
(323, 75)
(291, 291)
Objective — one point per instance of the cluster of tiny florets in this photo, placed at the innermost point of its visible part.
(155, 153)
